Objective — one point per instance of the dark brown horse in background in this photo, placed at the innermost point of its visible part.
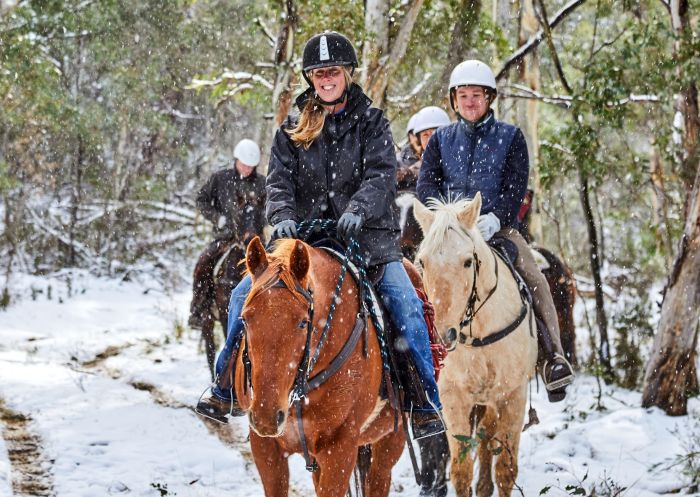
(328, 409)
(227, 274)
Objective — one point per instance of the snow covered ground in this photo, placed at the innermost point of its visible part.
(107, 381)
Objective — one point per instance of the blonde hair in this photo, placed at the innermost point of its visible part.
(313, 116)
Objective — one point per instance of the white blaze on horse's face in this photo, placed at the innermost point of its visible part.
(447, 258)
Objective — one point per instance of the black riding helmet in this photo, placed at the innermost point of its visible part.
(325, 50)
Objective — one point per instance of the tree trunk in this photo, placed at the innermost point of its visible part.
(671, 371)
(529, 75)
(601, 319)
(468, 12)
(284, 77)
(671, 375)
(378, 80)
(377, 43)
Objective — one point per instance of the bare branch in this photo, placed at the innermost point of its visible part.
(535, 40)
(402, 100)
(271, 39)
(238, 78)
(542, 17)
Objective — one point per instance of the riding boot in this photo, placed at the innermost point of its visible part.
(219, 401)
(556, 371)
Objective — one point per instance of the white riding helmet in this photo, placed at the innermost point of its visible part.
(430, 117)
(411, 122)
(472, 73)
(248, 152)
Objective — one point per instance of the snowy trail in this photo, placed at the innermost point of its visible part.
(30, 467)
(108, 383)
(232, 435)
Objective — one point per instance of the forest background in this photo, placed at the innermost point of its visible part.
(114, 112)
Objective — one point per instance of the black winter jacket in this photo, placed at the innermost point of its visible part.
(239, 200)
(349, 167)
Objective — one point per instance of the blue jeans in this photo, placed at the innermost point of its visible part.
(234, 332)
(405, 310)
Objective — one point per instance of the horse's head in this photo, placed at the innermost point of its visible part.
(452, 256)
(276, 316)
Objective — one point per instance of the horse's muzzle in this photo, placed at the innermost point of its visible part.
(269, 425)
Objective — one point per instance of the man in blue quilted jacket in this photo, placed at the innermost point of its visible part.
(478, 153)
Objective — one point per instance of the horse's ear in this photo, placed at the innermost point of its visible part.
(255, 257)
(468, 216)
(423, 215)
(299, 261)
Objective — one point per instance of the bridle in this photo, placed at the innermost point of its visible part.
(471, 309)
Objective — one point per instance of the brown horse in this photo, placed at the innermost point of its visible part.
(341, 410)
(227, 274)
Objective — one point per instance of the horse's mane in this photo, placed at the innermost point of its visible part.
(277, 269)
(445, 218)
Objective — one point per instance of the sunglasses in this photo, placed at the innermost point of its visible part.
(331, 72)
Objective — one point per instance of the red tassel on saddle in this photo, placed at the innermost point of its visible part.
(437, 347)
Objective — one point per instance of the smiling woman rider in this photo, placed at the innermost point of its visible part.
(335, 160)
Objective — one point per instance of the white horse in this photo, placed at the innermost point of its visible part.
(491, 332)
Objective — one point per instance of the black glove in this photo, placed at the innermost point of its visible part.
(285, 229)
(349, 225)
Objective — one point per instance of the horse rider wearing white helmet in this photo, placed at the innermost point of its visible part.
(480, 153)
(410, 152)
(233, 200)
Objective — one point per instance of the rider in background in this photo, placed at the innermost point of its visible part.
(410, 152)
(233, 200)
(480, 153)
(335, 160)
(424, 123)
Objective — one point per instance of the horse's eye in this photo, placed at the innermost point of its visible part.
(420, 262)
(303, 323)
(468, 263)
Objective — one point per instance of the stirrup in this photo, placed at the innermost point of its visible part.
(430, 425)
(216, 409)
(556, 389)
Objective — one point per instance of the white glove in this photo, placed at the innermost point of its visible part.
(488, 225)
(221, 222)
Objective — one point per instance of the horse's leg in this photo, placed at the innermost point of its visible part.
(484, 485)
(332, 479)
(209, 345)
(434, 456)
(385, 454)
(272, 465)
(458, 423)
(508, 428)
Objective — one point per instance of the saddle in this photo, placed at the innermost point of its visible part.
(405, 380)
